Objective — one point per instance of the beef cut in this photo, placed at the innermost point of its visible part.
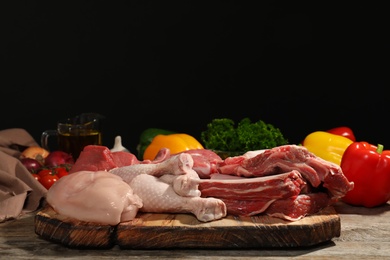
(297, 207)
(277, 186)
(100, 158)
(316, 171)
(287, 182)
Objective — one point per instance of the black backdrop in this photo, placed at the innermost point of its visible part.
(179, 64)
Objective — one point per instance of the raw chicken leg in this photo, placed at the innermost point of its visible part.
(175, 165)
(176, 170)
(184, 185)
(159, 197)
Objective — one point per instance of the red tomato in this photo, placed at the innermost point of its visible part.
(48, 180)
(44, 172)
(36, 176)
(60, 171)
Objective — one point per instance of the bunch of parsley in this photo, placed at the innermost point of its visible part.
(223, 134)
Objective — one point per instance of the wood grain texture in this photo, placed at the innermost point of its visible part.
(169, 231)
(71, 232)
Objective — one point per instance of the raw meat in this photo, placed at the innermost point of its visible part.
(286, 158)
(159, 197)
(287, 182)
(123, 158)
(94, 196)
(94, 158)
(269, 187)
(177, 168)
(100, 158)
(176, 165)
(291, 208)
(297, 207)
(186, 184)
(251, 196)
(205, 162)
(272, 161)
(238, 207)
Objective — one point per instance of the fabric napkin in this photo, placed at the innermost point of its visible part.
(20, 193)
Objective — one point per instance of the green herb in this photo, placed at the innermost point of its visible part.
(224, 135)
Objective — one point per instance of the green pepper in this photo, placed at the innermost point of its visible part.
(146, 138)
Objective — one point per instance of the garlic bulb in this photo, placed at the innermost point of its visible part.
(118, 145)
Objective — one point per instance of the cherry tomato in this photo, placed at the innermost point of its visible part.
(48, 180)
(60, 171)
(44, 172)
(36, 176)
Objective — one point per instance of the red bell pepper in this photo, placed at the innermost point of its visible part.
(368, 167)
(343, 131)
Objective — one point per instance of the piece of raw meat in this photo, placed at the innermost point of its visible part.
(94, 158)
(277, 186)
(297, 207)
(123, 158)
(186, 184)
(177, 168)
(205, 162)
(239, 207)
(159, 197)
(100, 158)
(175, 165)
(286, 158)
(245, 196)
(94, 196)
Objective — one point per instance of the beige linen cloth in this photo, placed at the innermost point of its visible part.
(20, 193)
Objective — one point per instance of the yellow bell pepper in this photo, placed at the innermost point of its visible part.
(327, 146)
(176, 143)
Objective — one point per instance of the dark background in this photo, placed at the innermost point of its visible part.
(179, 64)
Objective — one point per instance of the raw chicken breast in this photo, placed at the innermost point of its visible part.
(94, 196)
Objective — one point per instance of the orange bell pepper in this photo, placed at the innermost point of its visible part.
(176, 143)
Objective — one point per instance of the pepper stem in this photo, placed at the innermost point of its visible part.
(379, 149)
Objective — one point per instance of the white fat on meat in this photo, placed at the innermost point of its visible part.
(94, 196)
(251, 154)
(158, 196)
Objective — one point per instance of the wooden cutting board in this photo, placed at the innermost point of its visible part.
(167, 231)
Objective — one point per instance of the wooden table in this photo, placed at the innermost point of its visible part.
(365, 234)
